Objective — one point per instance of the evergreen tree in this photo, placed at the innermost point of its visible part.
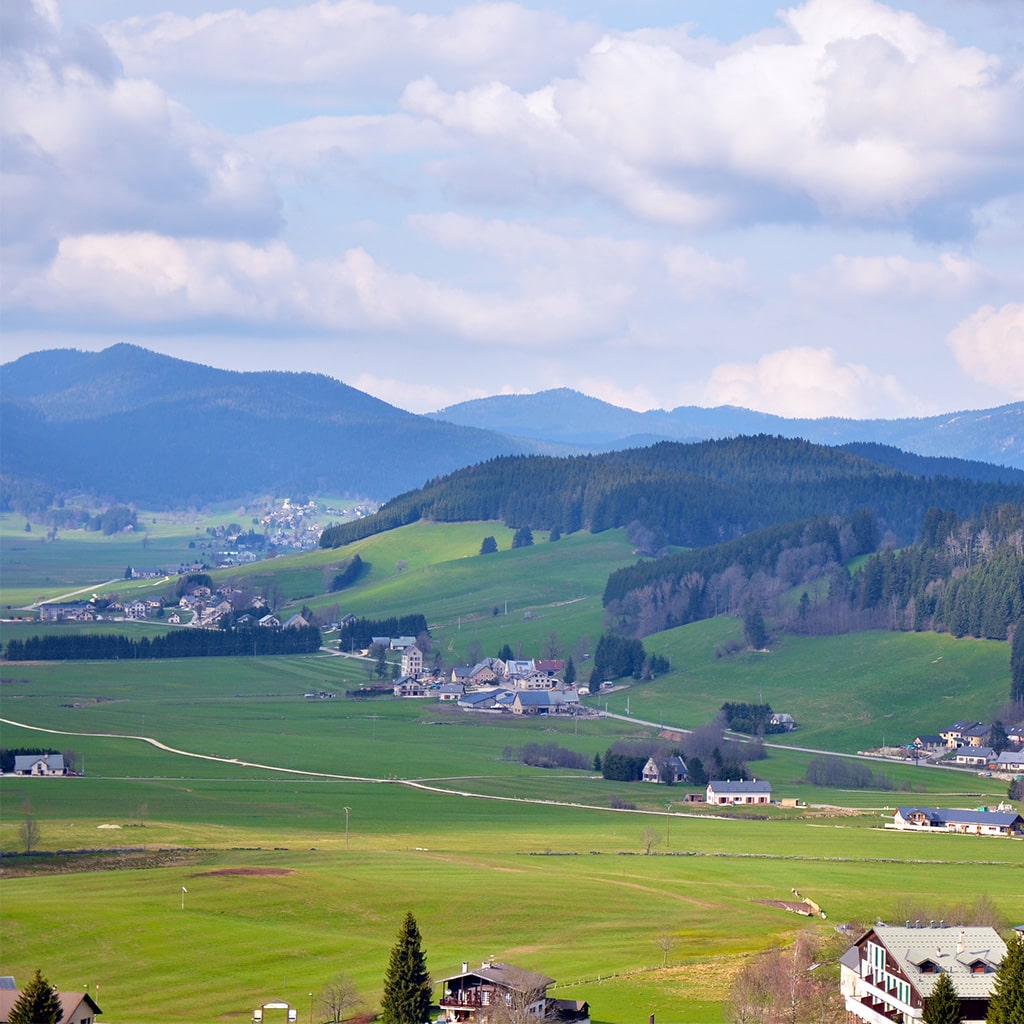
(1017, 662)
(488, 546)
(1007, 1005)
(38, 1003)
(943, 1005)
(523, 537)
(407, 988)
(570, 673)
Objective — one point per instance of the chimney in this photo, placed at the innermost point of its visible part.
(465, 967)
(961, 942)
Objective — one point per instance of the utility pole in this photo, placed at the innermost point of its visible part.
(347, 810)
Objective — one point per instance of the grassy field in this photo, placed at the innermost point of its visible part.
(384, 806)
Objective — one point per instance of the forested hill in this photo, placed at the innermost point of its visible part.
(131, 425)
(684, 494)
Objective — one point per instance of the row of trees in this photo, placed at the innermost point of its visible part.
(180, 643)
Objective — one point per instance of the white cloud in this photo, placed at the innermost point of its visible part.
(860, 111)
(893, 276)
(803, 382)
(86, 149)
(989, 346)
(357, 48)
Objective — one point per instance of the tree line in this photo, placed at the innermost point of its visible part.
(681, 494)
(358, 634)
(179, 643)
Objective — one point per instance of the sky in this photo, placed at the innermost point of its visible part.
(809, 210)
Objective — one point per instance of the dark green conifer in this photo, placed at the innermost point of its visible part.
(407, 988)
(39, 1003)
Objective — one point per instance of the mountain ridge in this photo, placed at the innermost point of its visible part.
(570, 417)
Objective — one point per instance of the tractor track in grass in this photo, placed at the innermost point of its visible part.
(423, 785)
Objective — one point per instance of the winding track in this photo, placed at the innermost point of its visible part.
(409, 783)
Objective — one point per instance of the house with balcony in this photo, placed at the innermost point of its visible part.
(498, 993)
(889, 973)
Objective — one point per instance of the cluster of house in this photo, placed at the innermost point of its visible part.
(965, 743)
(522, 687)
(76, 1007)
(890, 972)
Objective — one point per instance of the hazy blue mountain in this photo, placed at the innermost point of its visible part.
(568, 417)
(133, 425)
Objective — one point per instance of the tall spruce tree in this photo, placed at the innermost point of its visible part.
(1007, 1005)
(943, 1006)
(1017, 662)
(407, 988)
(39, 1003)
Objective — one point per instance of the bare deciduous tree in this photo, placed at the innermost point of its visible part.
(666, 942)
(338, 1000)
(28, 834)
(649, 838)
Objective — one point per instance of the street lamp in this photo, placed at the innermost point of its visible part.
(347, 810)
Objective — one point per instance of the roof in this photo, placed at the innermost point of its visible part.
(534, 698)
(69, 1002)
(54, 762)
(1010, 757)
(752, 786)
(507, 975)
(983, 752)
(945, 815)
(953, 950)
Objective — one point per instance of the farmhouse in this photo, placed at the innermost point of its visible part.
(1008, 761)
(756, 791)
(889, 973)
(451, 692)
(497, 992)
(77, 1007)
(39, 764)
(975, 756)
(964, 822)
(670, 770)
(70, 611)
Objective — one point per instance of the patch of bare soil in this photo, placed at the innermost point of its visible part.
(76, 861)
(247, 872)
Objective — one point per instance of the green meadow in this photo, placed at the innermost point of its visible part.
(303, 830)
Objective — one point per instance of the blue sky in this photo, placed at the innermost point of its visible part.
(814, 209)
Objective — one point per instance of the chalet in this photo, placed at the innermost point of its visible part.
(174, 619)
(929, 742)
(462, 675)
(977, 735)
(977, 757)
(136, 610)
(533, 681)
(549, 666)
(963, 822)
(755, 791)
(783, 721)
(39, 764)
(1015, 733)
(400, 643)
(270, 622)
(409, 687)
(295, 622)
(890, 973)
(518, 669)
(497, 992)
(490, 670)
(670, 770)
(76, 1007)
(450, 692)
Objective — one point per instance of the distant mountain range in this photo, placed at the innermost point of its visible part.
(567, 417)
(128, 424)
